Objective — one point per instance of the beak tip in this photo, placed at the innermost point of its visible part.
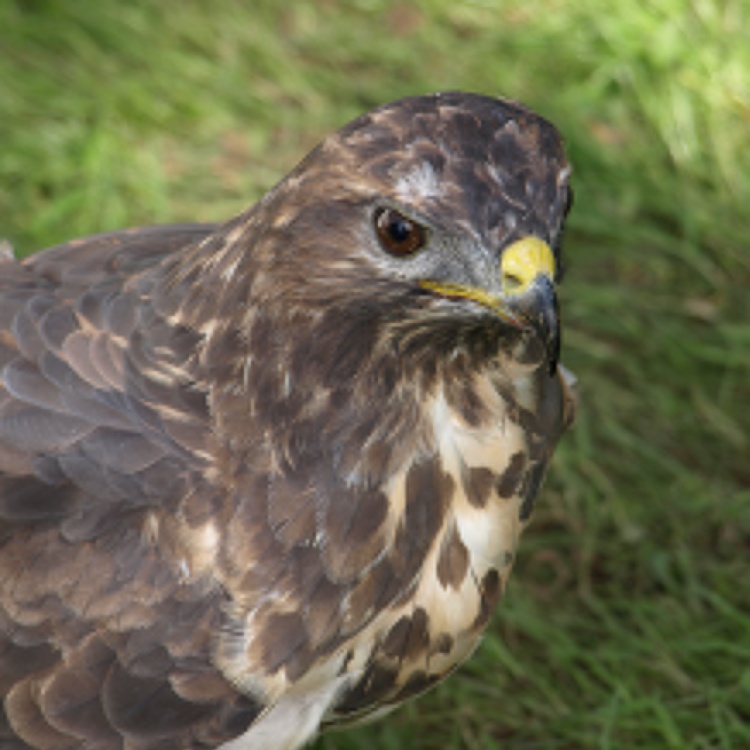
(553, 359)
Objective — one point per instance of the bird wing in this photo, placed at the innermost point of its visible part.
(104, 634)
(94, 400)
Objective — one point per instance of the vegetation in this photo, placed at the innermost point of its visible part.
(627, 621)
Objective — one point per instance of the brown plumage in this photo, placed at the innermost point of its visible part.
(266, 476)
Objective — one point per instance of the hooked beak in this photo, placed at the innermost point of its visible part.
(528, 299)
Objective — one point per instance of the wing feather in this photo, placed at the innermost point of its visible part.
(102, 435)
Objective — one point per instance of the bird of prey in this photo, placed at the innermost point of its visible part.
(268, 476)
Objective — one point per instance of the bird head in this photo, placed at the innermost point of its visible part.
(441, 213)
(429, 229)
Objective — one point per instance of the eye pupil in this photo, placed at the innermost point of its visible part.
(399, 230)
(397, 234)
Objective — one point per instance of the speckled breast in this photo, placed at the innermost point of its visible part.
(481, 474)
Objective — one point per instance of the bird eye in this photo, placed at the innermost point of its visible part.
(397, 234)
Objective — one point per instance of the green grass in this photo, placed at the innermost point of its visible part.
(627, 622)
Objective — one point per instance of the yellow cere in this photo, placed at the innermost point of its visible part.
(523, 261)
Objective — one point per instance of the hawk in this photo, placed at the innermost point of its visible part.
(267, 476)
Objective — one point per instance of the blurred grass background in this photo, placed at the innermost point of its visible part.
(627, 621)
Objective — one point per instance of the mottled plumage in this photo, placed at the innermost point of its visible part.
(269, 475)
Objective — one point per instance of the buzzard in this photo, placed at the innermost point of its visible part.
(267, 476)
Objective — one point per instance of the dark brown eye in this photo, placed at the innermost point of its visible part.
(397, 234)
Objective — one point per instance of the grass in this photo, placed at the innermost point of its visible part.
(627, 622)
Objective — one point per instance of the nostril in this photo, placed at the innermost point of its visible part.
(512, 284)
